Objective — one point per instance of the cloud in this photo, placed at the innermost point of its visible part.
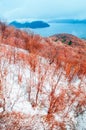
(42, 9)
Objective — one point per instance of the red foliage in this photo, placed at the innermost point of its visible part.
(70, 59)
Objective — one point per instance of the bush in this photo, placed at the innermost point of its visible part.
(70, 42)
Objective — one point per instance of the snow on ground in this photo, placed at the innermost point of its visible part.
(81, 121)
(28, 92)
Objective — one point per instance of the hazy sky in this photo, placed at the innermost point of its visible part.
(42, 9)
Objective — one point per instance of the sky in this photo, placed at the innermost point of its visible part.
(42, 9)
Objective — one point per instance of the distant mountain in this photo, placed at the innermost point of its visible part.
(33, 24)
(71, 21)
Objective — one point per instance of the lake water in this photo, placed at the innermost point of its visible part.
(56, 28)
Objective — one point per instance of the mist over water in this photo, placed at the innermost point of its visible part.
(78, 30)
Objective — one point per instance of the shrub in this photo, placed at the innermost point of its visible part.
(70, 42)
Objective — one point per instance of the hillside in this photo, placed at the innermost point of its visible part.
(42, 81)
(69, 39)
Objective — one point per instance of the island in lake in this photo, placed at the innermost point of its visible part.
(33, 24)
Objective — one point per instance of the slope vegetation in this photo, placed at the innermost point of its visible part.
(42, 81)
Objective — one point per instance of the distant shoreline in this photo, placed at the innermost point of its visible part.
(70, 21)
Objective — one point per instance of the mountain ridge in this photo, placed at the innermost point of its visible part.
(70, 21)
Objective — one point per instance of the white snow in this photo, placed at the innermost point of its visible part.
(21, 95)
(81, 121)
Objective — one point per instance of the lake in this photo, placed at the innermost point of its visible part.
(56, 28)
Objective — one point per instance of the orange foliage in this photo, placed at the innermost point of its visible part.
(72, 60)
(74, 56)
